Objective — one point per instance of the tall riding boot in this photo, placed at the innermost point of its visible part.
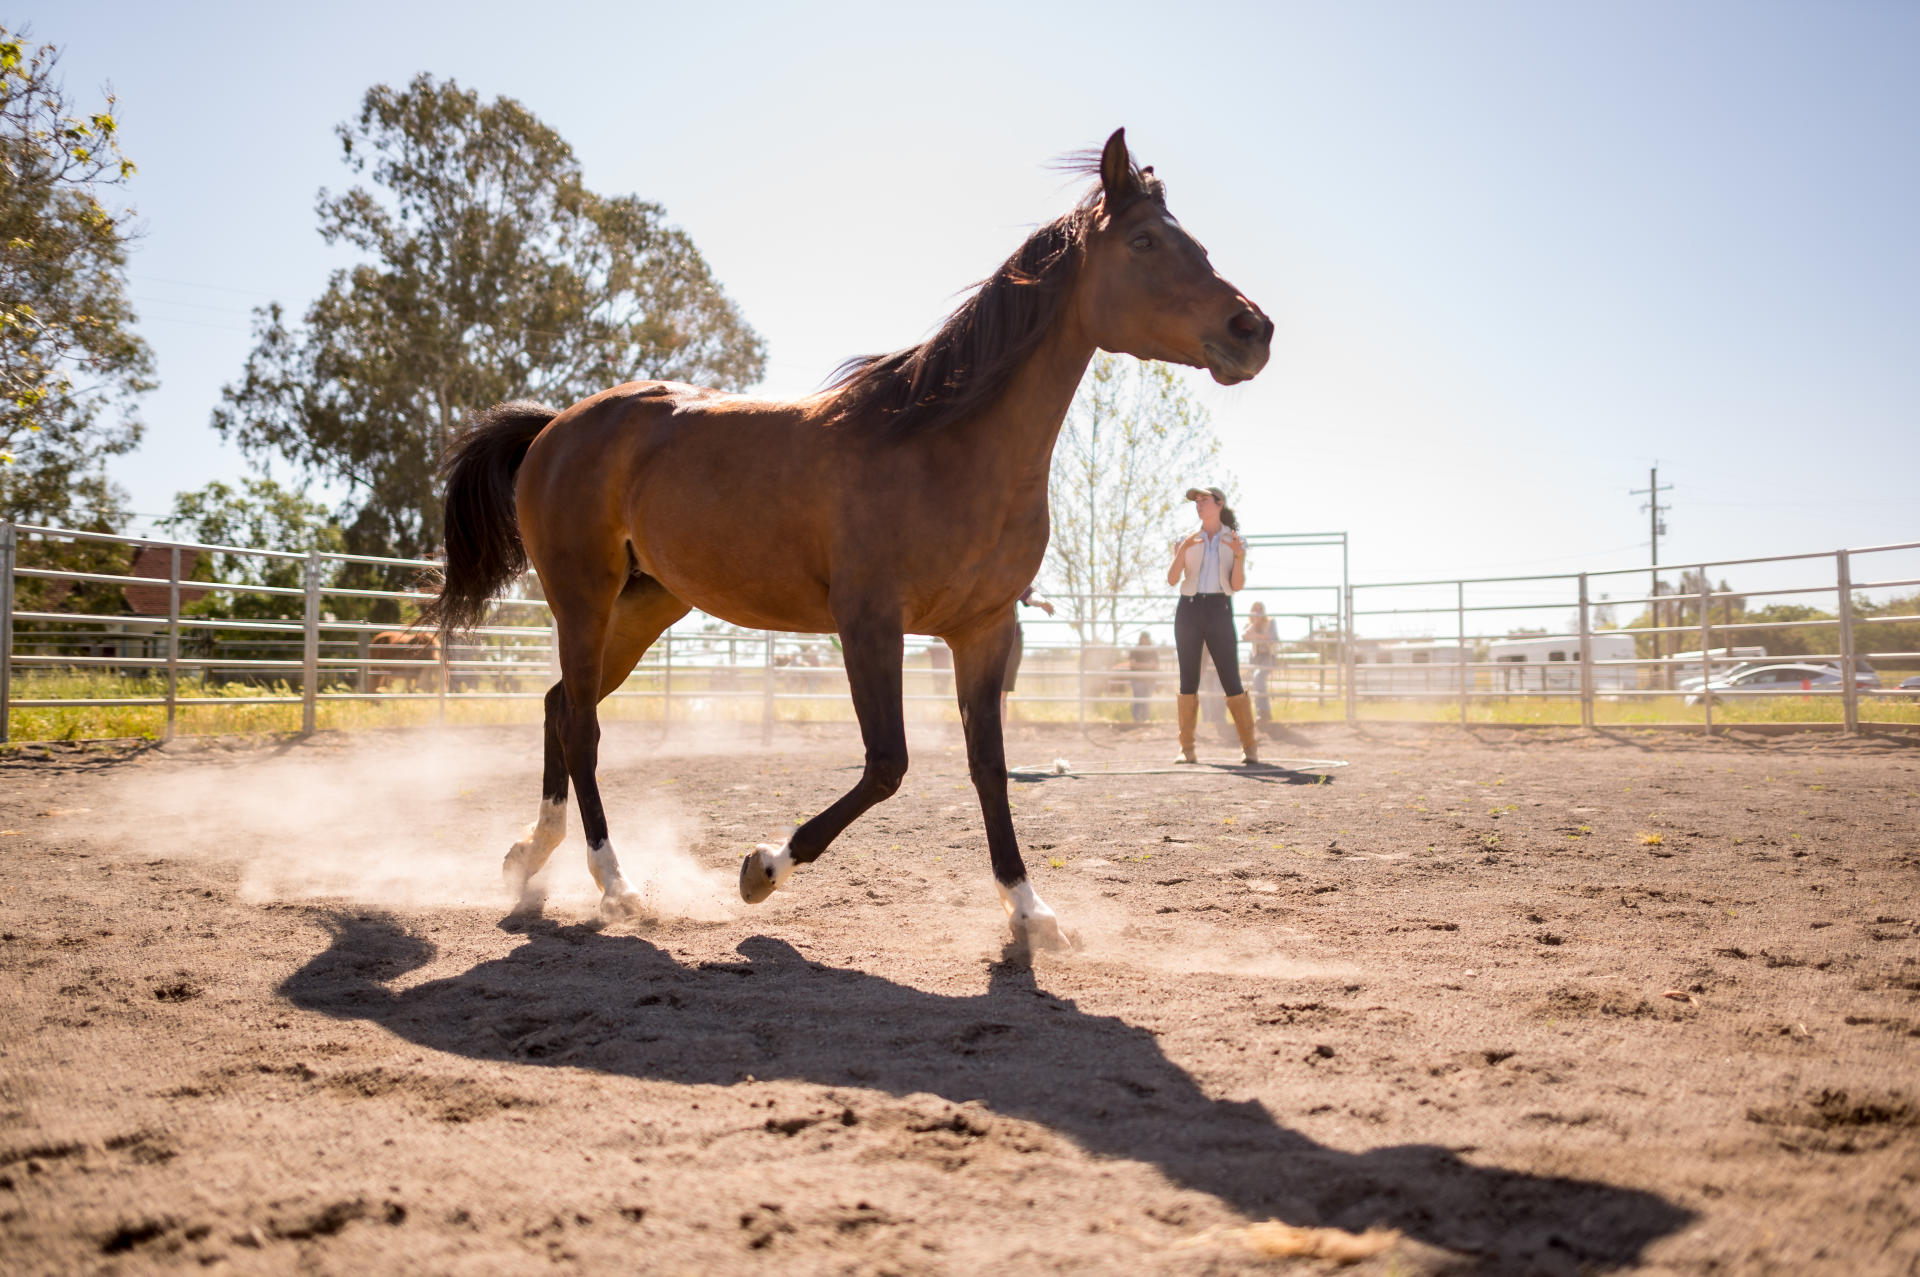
(1189, 709)
(1241, 707)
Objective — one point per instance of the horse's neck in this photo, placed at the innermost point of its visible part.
(1022, 425)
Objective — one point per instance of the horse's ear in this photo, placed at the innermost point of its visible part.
(1117, 181)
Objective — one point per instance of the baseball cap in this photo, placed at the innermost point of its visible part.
(1194, 494)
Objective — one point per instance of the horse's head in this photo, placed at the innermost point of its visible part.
(1147, 289)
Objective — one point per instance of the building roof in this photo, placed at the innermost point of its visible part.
(156, 561)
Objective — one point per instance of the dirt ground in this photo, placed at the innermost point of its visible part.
(1536, 1001)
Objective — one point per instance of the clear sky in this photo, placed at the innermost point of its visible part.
(1515, 252)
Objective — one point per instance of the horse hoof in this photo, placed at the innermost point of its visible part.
(513, 871)
(1041, 932)
(763, 869)
(529, 902)
(756, 878)
(623, 904)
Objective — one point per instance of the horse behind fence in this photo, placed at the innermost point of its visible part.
(392, 647)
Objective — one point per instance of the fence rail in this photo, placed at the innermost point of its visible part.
(311, 657)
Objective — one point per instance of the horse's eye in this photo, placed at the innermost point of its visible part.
(1143, 241)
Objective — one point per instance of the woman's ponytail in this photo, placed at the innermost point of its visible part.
(1226, 516)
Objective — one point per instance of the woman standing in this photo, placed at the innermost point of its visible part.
(1209, 566)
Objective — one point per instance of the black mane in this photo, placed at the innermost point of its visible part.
(973, 356)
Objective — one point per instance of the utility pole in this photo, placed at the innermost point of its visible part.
(1658, 525)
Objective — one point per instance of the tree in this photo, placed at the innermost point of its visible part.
(1722, 611)
(71, 367)
(1871, 633)
(258, 515)
(1788, 639)
(1116, 487)
(491, 272)
(1679, 605)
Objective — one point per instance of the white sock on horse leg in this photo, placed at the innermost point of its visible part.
(779, 861)
(617, 894)
(1021, 901)
(529, 856)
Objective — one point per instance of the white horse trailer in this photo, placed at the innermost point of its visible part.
(1417, 665)
(1553, 664)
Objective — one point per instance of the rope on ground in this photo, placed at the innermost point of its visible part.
(1061, 767)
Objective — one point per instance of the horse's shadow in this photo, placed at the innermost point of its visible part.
(575, 996)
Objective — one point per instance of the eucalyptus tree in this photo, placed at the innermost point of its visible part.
(487, 271)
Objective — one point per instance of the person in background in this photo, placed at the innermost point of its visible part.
(1142, 658)
(940, 661)
(1029, 597)
(1259, 636)
(1213, 698)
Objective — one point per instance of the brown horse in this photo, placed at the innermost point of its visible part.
(908, 497)
(389, 647)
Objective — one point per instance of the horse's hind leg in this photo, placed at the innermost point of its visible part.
(598, 649)
(871, 640)
(979, 669)
(529, 856)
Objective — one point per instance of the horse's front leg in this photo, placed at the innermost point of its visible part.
(871, 639)
(980, 668)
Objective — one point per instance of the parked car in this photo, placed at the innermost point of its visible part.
(1910, 684)
(1864, 675)
(1782, 678)
(1693, 682)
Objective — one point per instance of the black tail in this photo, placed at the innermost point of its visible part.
(482, 532)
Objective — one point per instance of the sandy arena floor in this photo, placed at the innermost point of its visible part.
(1538, 1002)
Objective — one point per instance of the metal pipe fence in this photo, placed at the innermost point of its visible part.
(184, 645)
(1599, 665)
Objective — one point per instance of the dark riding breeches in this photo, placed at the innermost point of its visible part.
(1206, 620)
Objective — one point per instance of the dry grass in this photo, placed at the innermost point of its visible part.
(1638, 711)
(805, 696)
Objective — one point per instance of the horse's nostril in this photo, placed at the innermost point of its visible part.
(1249, 326)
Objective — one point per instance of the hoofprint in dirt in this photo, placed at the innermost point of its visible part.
(1538, 1001)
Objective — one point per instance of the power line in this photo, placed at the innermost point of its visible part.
(193, 323)
(175, 301)
(187, 283)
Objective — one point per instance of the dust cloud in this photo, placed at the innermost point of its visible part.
(1109, 933)
(419, 822)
